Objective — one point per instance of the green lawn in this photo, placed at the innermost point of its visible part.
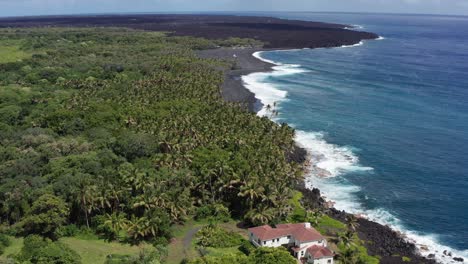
(219, 252)
(11, 53)
(91, 251)
(328, 225)
(95, 251)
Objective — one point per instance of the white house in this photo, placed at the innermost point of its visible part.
(306, 244)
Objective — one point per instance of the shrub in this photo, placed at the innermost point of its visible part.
(144, 257)
(47, 214)
(217, 212)
(4, 240)
(4, 243)
(246, 247)
(271, 256)
(214, 236)
(42, 250)
(67, 231)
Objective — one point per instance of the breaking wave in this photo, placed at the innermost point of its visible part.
(330, 162)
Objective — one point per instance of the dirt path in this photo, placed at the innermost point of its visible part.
(189, 237)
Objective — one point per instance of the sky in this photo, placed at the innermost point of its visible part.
(51, 7)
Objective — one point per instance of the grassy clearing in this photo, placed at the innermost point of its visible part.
(96, 251)
(92, 251)
(9, 52)
(328, 225)
(219, 252)
(298, 212)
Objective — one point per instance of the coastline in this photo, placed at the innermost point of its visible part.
(381, 240)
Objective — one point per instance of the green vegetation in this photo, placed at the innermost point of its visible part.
(406, 259)
(37, 249)
(4, 243)
(352, 250)
(298, 213)
(260, 255)
(113, 140)
(10, 51)
(216, 237)
(124, 133)
(328, 225)
(90, 249)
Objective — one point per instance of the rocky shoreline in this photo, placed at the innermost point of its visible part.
(380, 240)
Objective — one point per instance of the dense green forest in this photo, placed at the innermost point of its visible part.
(125, 133)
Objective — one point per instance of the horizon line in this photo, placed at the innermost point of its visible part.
(231, 12)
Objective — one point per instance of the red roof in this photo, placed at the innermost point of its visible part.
(319, 252)
(301, 232)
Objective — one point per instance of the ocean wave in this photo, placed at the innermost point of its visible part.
(258, 56)
(264, 91)
(353, 27)
(331, 162)
(354, 45)
(328, 159)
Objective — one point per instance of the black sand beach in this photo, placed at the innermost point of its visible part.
(244, 63)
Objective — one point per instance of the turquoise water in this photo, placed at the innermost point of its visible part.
(386, 121)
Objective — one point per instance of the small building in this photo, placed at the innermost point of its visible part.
(319, 255)
(304, 242)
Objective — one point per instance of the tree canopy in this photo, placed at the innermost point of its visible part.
(125, 132)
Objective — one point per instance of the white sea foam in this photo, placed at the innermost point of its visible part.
(258, 56)
(380, 38)
(354, 27)
(354, 45)
(264, 91)
(332, 161)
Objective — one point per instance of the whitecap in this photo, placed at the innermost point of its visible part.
(354, 45)
(354, 27)
(266, 92)
(331, 161)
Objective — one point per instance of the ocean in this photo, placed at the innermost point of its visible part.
(386, 121)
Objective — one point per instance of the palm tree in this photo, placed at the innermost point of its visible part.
(314, 216)
(251, 191)
(137, 228)
(352, 222)
(346, 238)
(261, 215)
(115, 222)
(85, 198)
(349, 256)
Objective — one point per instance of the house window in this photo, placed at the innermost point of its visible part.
(264, 242)
(329, 261)
(302, 253)
(289, 237)
(259, 241)
(277, 240)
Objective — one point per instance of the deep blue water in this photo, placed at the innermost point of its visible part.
(398, 106)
